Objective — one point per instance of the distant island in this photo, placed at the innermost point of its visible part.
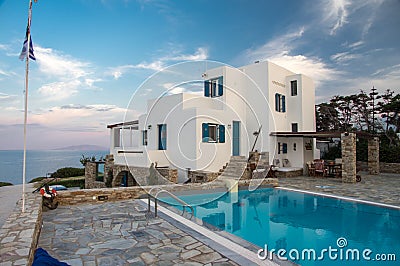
(82, 148)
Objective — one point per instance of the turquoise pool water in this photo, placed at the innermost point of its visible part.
(300, 225)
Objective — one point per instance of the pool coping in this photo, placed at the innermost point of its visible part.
(218, 242)
(340, 197)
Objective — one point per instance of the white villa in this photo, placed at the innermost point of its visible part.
(202, 132)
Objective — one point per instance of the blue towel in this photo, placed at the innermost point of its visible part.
(42, 258)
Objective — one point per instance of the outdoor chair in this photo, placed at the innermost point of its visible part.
(320, 168)
(311, 168)
(286, 163)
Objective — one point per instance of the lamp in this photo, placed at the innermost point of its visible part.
(229, 126)
(149, 127)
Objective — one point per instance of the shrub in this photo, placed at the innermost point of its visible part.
(70, 183)
(37, 179)
(389, 154)
(68, 172)
(3, 184)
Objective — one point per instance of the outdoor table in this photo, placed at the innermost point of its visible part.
(334, 169)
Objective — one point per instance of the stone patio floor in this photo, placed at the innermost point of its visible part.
(383, 188)
(120, 233)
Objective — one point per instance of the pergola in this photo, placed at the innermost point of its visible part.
(348, 140)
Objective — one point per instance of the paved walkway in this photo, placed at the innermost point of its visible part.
(383, 188)
(9, 196)
(120, 233)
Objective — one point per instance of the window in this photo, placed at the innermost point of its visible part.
(213, 133)
(214, 87)
(293, 87)
(162, 137)
(282, 148)
(295, 127)
(280, 103)
(144, 137)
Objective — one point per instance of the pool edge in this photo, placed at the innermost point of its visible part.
(340, 197)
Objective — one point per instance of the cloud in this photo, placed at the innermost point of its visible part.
(54, 63)
(344, 57)
(200, 54)
(193, 87)
(59, 90)
(355, 44)
(336, 11)
(7, 73)
(157, 65)
(78, 117)
(69, 75)
(279, 46)
(312, 67)
(280, 51)
(336, 14)
(160, 63)
(7, 97)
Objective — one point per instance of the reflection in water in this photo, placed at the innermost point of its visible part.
(286, 219)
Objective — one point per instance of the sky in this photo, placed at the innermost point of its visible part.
(93, 55)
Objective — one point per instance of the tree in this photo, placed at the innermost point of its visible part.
(326, 117)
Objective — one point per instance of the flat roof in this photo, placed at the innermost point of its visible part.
(129, 123)
(322, 134)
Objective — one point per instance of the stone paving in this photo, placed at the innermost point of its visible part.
(20, 231)
(120, 233)
(382, 188)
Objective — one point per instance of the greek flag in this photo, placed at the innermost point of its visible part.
(25, 46)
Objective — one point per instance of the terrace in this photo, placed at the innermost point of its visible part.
(121, 232)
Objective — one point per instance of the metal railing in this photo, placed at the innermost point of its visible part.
(155, 197)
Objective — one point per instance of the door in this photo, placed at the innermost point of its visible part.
(124, 180)
(162, 137)
(236, 138)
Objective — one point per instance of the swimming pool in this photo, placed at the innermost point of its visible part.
(305, 228)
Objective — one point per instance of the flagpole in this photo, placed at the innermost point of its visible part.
(26, 103)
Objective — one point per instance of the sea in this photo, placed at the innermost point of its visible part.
(40, 162)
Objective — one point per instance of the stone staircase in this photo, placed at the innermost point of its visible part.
(235, 168)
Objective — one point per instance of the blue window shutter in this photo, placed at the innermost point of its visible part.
(284, 148)
(205, 133)
(283, 104)
(220, 86)
(221, 134)
(277, 102)
(207, 88)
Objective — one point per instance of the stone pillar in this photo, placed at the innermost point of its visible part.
(373, 156)
(108, 170)
(348, 157)
(90, 174)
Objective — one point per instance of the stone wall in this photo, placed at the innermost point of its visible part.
(348, 157)
(393, 168)
(136, 175)
(202, 176)
(74, 197)
(169, 174)
(284, 174)
(91, 171)
(389, 168)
